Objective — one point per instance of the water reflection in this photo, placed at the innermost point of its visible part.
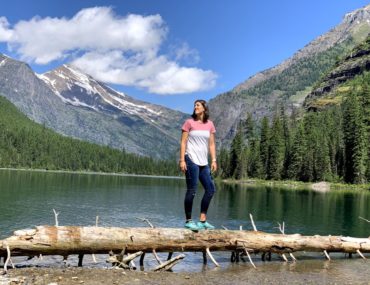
(303, 211)
(27, 199)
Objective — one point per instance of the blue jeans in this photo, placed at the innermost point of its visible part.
(194, 173)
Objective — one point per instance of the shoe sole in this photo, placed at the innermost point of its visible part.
(193, 230)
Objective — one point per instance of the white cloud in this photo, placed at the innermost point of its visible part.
(5, 33)
(185, 52)
(156, 74)
(112, 48)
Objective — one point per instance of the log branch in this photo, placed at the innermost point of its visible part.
(156, 256)
(364, 219)
(359, 252)
(147, 221)
(125, 262)
(249, 257)
(165, 266)
(131, 257)
(7, 259)
(80, 259)
(142, 259)
(211, 257)
(282, 228)
(327, 255)
(253, 224)
(292, 256)
(56, 218)
(284, 257)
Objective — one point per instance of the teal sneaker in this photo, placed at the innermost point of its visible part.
(191, 226)
(205, 226)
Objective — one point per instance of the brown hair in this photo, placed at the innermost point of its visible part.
(206, 112)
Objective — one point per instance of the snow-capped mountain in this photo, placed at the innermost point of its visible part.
(75, 104)
(74, 87)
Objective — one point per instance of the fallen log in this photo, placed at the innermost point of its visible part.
(67, 240)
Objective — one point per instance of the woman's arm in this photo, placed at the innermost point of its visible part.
(212, 151)
(184, 139)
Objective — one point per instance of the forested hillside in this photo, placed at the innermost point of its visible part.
(26, 144)
(331, 143)
(289, 82)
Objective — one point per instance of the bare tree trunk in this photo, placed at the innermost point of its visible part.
(66, 240)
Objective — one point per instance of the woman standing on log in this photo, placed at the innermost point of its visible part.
(198, 136)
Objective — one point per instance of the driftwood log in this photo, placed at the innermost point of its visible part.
(67, 240)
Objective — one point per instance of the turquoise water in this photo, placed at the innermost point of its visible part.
(28, 199)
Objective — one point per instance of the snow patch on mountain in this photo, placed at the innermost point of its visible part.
(64, 80)
(3, 62)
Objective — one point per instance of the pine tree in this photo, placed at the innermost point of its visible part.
(250, 129)
(276, 150)
(333, 121)
(255, 167)
(321, 158)
(354, 140)
(287, 142)
(264, 145)
(236, 150)
(297, 152)
(252, 152)
(307, 170)
(366, 117)
(223, 164)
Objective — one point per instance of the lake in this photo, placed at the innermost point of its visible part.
(28, 199)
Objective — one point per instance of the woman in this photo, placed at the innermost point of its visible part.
(198, 135)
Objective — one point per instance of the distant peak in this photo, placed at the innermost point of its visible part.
(72, 68)
(363, 12)
(367, 7)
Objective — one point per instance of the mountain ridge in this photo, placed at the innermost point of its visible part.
(330, 89)
(152, 132)
(291, 81)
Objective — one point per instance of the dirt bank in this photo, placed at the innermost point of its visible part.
(318, 271)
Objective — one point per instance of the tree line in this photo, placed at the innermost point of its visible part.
(330, 145)
(25, 144)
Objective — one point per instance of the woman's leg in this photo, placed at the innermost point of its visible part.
(206, 179)
(191, 174)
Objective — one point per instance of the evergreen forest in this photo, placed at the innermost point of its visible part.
(328, 145)
(25, 144)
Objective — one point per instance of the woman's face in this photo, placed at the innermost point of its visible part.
(198, 108)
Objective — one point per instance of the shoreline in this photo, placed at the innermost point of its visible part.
(86, 172)
(322, 186)
(312, 271)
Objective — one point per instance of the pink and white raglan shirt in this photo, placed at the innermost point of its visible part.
(198, 140)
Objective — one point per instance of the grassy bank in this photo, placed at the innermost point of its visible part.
(289, 184)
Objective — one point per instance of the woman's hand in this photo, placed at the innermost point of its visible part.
(213, 166)
(184, 139)
(182, 165)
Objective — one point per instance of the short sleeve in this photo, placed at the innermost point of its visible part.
(213, 129)
(186, 126)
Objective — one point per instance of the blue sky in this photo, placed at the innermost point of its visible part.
(166, 52)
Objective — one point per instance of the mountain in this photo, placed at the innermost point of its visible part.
(291, 81)
(330, 89)
(26, 144)
(75, 104)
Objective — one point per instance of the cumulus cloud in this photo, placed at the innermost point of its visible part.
(185, 52)
(112, 48)
(5, 32)
(156, 74)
